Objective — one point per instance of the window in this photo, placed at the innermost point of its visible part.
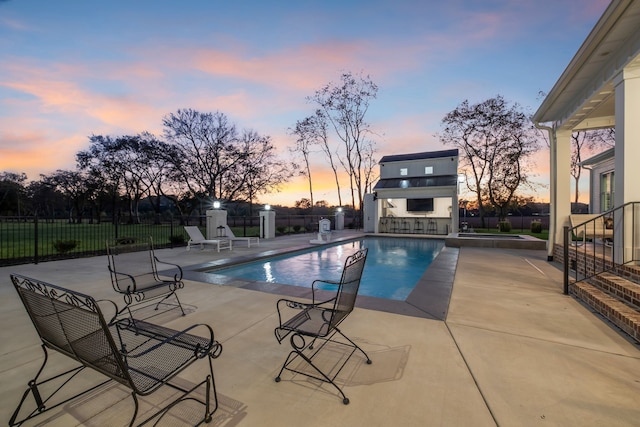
(404, 171)
(606, 191)
(428, 170)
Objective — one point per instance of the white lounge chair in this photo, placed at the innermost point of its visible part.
(196, 238)
(592, 226)
(249, 240)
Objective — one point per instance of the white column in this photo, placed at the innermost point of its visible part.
(216, 218)
(267, 224)
(627, 153)
(339, 225)
(560, 186)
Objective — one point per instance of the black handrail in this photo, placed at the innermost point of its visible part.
(590, 260)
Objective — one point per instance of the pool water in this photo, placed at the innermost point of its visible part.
(392, 270)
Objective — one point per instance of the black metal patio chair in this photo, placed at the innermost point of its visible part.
(319, 321)
(139, 355)
(134, 274)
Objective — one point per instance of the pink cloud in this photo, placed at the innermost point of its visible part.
(35, 153)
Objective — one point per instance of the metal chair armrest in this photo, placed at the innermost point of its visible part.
(176, 277)
(313, 290)
(214, 348)
(112, 319)
(117, 276)
(297, 305)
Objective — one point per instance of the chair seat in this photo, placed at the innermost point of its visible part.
(312, 321)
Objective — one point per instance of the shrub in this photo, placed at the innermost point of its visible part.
(536, 226)
(126, 240)
(504, 226)
(177, 239)
(281, 229)
(64, 246)
(296, 228)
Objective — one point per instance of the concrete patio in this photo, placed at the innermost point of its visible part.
(513, 351)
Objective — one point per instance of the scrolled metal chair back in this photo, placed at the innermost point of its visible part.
(349, 285)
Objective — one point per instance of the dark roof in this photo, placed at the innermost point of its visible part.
(605, 155)
(418, 182)
(419, 156)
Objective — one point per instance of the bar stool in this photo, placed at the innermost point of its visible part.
(384, 225)
(432, 227)
(406, 226)
(394, 226)
(418, 227)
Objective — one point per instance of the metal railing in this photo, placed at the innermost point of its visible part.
(590, 249)
(34, 239)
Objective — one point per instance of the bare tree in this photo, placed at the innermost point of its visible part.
(125, 163)
(496, 142)
(214, 161)
(73, 185)
(310, 131)
(583, 142)
(322, 132)
(206, 142)
(261, 170)
(344, 105)
(12, 192)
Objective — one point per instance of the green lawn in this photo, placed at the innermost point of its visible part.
(18, 239)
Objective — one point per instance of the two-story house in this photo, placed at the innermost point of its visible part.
(417, 193)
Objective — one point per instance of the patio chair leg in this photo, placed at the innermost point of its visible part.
(210, 387)
(324, 378)
(354, 345)
(135, 409)
(168, 296)
(43, 404)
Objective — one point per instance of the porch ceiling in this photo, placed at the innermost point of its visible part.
(583, 96)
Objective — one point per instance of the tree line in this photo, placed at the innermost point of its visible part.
(202, 157)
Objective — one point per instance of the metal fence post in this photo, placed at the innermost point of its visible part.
(35, 239)
(171, 232)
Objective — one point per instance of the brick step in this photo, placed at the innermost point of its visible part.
(617, 312)
(619, 287)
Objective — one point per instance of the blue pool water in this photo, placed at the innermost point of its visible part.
(392, 270)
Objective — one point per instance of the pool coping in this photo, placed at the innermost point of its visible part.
(429, 299)
(481, 240)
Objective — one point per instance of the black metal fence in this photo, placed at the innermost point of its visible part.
(518, 222)
(26, 240)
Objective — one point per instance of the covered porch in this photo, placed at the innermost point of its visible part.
(600, 88)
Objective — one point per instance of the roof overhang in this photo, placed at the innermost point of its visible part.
(598, 158)
(583, 96)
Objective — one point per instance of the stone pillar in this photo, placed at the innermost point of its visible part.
(216, 218)
(267, 224)
(339, 220)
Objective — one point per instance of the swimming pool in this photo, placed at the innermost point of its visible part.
(393, 268)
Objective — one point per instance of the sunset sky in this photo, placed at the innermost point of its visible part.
(73, 68)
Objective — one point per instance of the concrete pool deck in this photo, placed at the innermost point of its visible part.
(512, 351)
